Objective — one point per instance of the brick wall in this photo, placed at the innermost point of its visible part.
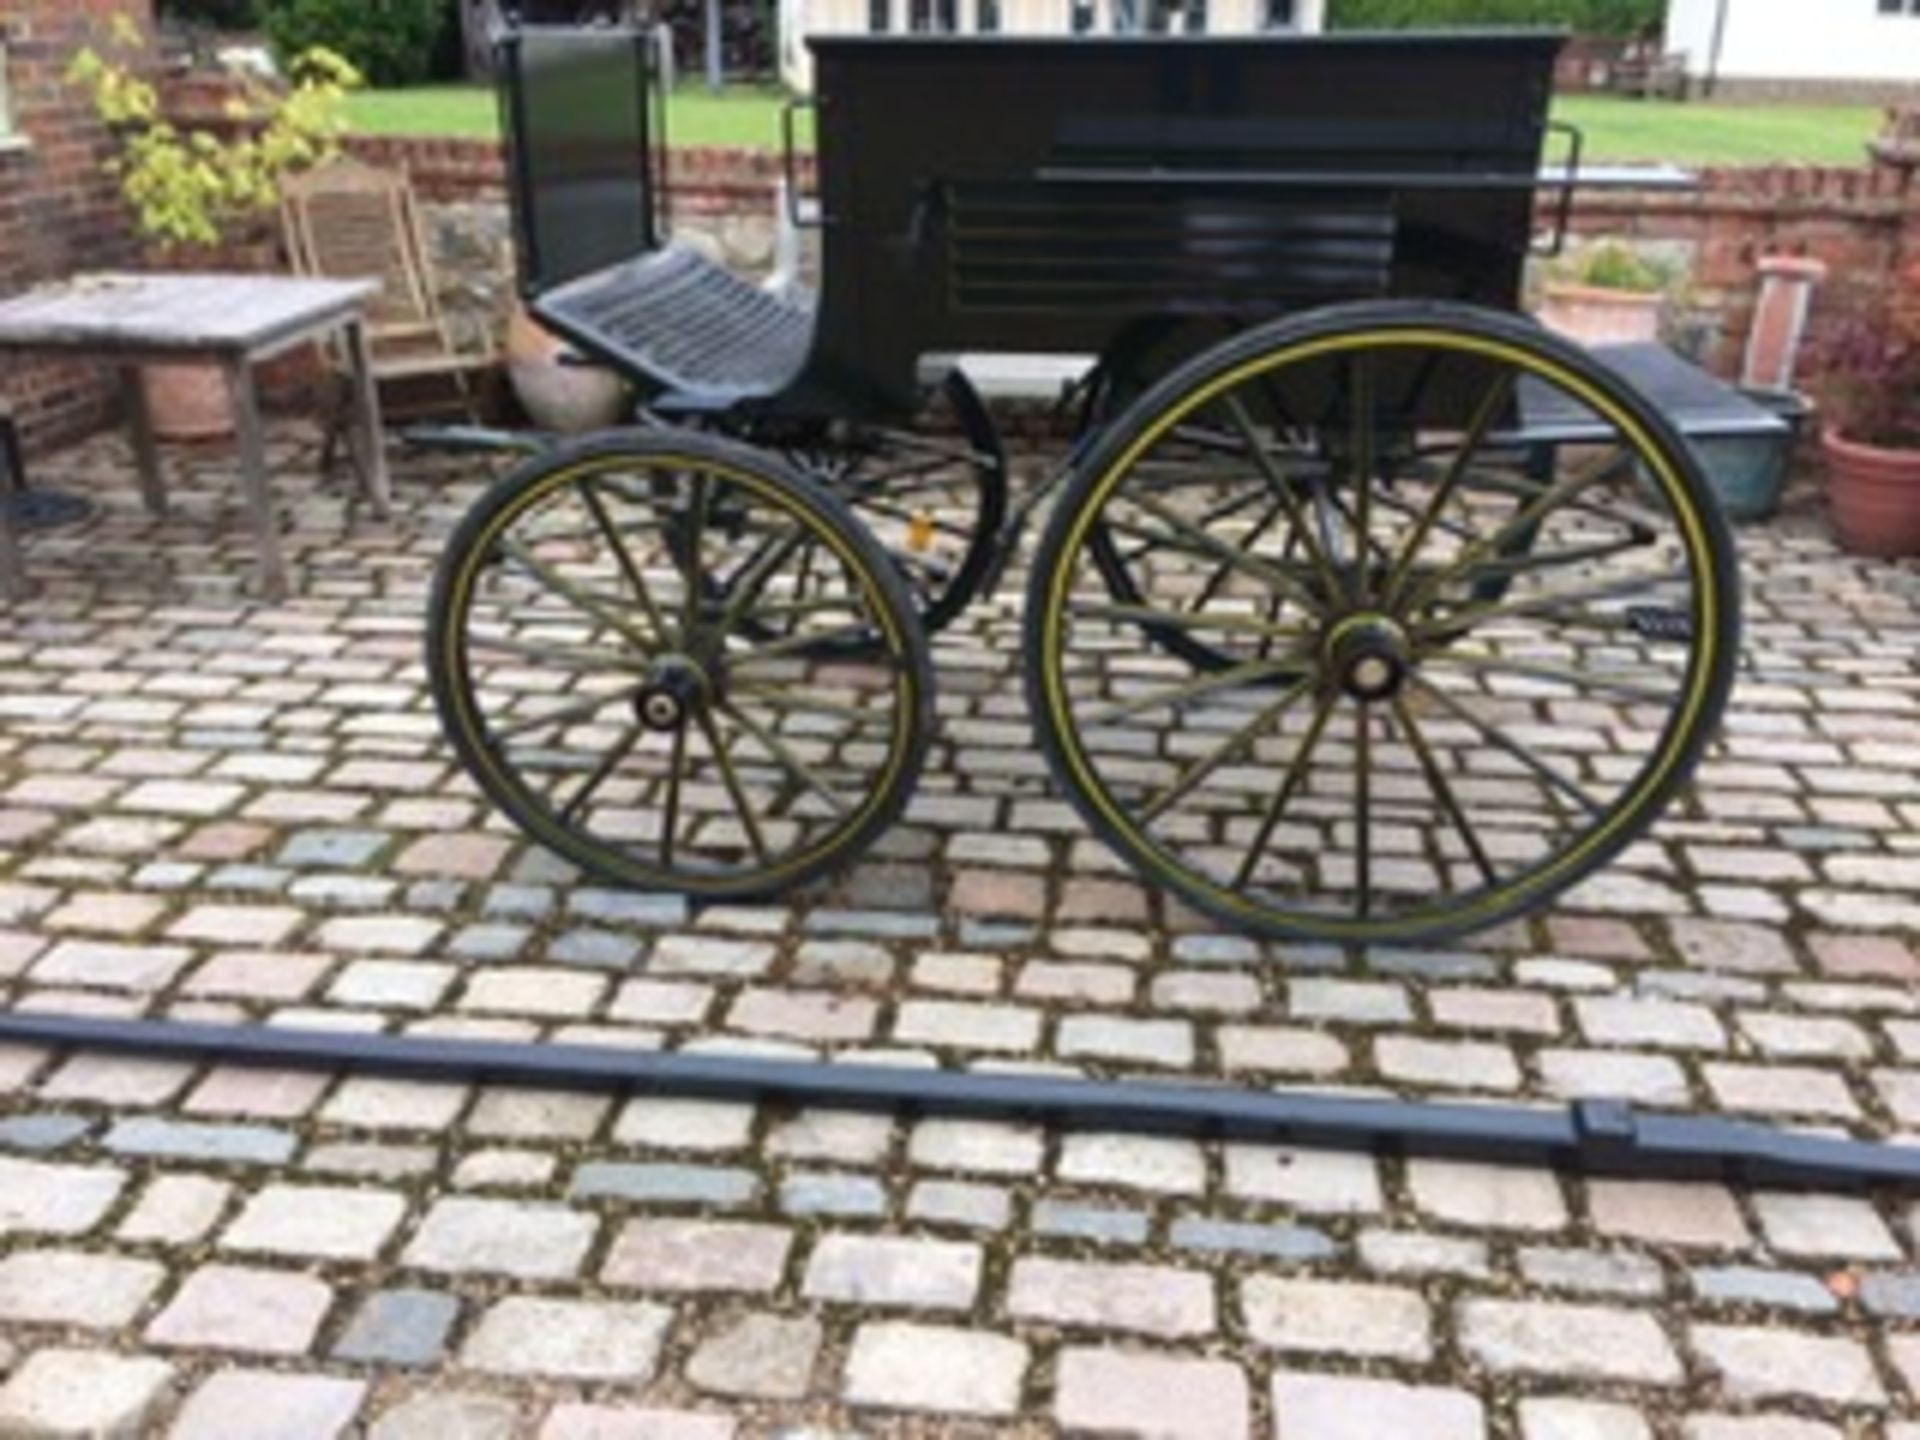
(1862, 222)
(58, 212)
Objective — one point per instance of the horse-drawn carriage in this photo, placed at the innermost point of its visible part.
(1365, 610)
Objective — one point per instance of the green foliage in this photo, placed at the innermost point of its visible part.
(1587, 17)
(187, 186)
(210, 14)
(391, 42)
(1612, 266)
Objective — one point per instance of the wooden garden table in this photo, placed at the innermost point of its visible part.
(234, 321)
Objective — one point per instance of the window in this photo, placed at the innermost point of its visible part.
(1279, 15)
(933, 17)
(986, 18)
(1900, 7)
(1082, 16)
(879, 16)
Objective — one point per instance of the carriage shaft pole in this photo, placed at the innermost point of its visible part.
(1591, 1137)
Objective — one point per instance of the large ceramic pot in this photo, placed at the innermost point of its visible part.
(187, 400)
(556, 390)
(1874, 495)
(1596, 316)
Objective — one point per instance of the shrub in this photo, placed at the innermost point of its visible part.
(189, 187)
(391, 42)
(1588, 17)
(211, 14)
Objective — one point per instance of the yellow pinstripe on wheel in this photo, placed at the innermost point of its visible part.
(679, 666)
(1410, 617)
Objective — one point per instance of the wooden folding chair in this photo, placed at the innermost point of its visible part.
(348, 218)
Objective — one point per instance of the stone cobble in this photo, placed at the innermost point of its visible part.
(219, 810)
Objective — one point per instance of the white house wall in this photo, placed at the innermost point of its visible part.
(1800, 40)
(801, 18)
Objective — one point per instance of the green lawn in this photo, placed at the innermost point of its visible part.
(1617, 130)
(1712, 134)
(744, 116)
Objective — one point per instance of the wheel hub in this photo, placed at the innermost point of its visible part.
(675, 684)
(1368, 655)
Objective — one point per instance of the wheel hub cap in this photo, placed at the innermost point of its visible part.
(675, 684)
(1367, 655)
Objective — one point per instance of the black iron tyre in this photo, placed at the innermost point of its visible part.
(1386, 750)
(632, 578)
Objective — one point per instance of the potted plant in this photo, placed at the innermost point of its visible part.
(1605, 295)
(195, 189)
(1872, 441)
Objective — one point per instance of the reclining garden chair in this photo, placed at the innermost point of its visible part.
(348, 218)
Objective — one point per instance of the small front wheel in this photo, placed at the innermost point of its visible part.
(639, 645)
(1452, 666)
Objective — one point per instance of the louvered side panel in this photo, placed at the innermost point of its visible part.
(1029, 248)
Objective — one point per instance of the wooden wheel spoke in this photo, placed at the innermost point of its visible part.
(578, 596)
(670, 818)
(1363, 810)
(1491, 407)
(1601, 680)
(800, 642)
(1295, 773)
(730, 780)
(577, 803)
(1283, 491)
(1443, 789)
(586, 705)
(1228, 749)
(567, 657)
(1519, 526)
(1196, 540)
(1226, 508)
(788, 700)
(755, 572)
(1361, 457)
(623, 557)
(1501, 741)
(1548, 603)
(1246, 673)
(786, 755)
(1151, 616)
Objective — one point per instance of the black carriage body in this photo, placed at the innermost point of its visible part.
(1046, 195)
(1035, 195)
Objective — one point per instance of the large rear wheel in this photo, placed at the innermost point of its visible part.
(1450, 673)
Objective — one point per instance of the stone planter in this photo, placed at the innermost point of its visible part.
(557, 392)
(1874, 496)
(186, 400)
(1594, 316)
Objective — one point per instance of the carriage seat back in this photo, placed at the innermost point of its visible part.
(585, 135)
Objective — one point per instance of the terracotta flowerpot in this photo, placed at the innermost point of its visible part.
(558, 394)
(1594, 316)
(187, 400)
(1874, 495)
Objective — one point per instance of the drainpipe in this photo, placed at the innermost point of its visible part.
(716, 74)
(1719, 43)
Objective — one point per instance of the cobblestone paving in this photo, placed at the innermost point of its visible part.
(215, 810)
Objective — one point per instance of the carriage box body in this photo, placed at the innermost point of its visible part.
(1023, 194)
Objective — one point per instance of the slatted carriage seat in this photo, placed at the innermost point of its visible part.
(586, 167)
(694, 328)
